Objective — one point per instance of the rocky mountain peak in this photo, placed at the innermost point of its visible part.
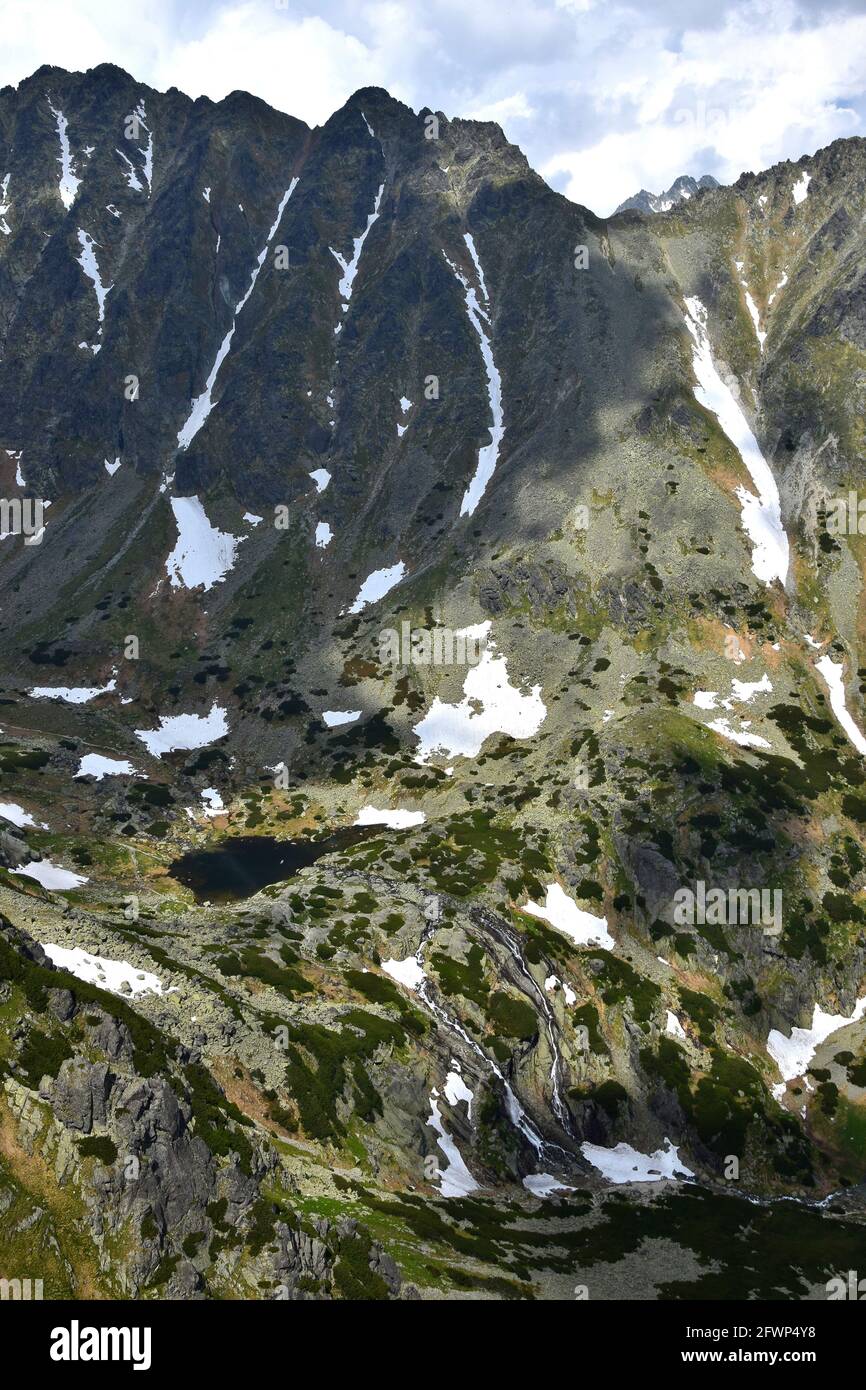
(681, 190)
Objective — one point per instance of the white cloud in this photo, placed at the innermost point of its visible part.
(760, 90)
(513, 108)
(80, 36)
(306, 67)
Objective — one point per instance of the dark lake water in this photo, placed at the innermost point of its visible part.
(245, 864)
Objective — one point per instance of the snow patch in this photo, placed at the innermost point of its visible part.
(68, 184)
(793, 1054)
(350, 268)
(544, 1185)
(742, 692)
(202, 554)
(456, 1090)
(762, 516)
(72, 694)
(184, 731)
(801, 188)
(478, 317)
(51, 876)
(11, 811)
(408, 972)
(104, 972)
(781, 285)
(5, 205)
(738, 736)
(756, 319)
(624, 1164)
(455, 1180)
(553, 981)
(377, 584)
(490, 705)
(147, 167)
(405, 405)
(335, 717)
(95, 765)
(832, 672)
(17, 455)
(130, 173)
(563, 913)
(88, 262)
(397, 820)
(202, 406)
(745, 691)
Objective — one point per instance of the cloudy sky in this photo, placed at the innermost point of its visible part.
(605, 97)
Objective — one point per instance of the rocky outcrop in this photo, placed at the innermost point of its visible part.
(149, 1185)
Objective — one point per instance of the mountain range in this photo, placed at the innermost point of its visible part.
(681, 190)
(432, 753)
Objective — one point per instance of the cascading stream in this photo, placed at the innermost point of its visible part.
(509, 941)
(516, 1112)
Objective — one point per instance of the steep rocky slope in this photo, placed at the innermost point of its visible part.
(408, 979)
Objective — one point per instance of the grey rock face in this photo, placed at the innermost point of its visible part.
(80, 1093)
(14, 850)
